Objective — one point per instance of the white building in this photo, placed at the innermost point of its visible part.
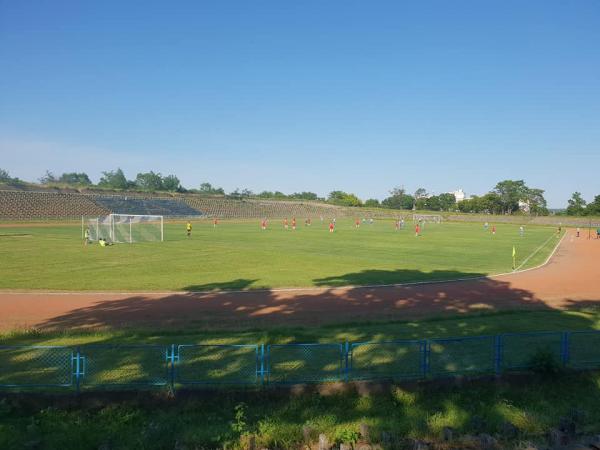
(459, 195)
(524, 206)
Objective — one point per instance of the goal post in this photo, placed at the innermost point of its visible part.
(125, 228)
(435, 218)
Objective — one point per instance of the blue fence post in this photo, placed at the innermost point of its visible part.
(262, 364)
(424, 357)
(77, 368)
(172, 365)
(347, 362)
(498, 354)
(267, 360)
(565, 348)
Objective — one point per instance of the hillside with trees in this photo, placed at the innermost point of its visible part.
(507, 197)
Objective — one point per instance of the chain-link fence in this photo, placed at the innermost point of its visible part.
(134, 366)
(380, 360)
(218, 364)
(305, 363)
(43, 366)
(124, 365)
(461, 356)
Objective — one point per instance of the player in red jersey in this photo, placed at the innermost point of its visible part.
(285, 223)
(264, 224)
(417, 230)
(494, 229)
(293, 223)
(331, 227)
(357, 223)
(215, 222)
(397, 225)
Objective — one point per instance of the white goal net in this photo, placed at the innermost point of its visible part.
(433, 218)
(124, 228)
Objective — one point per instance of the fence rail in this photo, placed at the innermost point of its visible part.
(117, 366)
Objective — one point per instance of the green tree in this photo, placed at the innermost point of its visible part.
(304, 195)
(75, 178)
(48, 178)
(372, 203)
(467, 205)
(207, 188)
(398, 192)
(491, 203)
(420, 203)
(149, 181)
(432, 203)
(510, 192)
(447, 202)
(398, 199)
(576, 205)
(343, 199)
(537, 202)
(269, 194)
(4, 176)
(420, 193)
(593, 208)
(114, 179)
(171, 183)
(395, 202)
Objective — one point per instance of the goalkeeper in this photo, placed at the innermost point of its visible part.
(86, 236)
(188, 228)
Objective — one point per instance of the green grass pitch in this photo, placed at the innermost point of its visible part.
(239, 255)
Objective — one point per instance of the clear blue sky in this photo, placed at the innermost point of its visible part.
(306, 95)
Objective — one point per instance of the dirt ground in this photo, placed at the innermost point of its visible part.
(570, 279)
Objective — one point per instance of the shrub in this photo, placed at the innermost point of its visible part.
(543, 362)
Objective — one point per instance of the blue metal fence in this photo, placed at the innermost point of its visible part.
(461, 356)
(218, 364)
(118, 366)
(583, 350)
(518, 349)
(305, 363)
(45, 366)
(124, 365)
(380, 360)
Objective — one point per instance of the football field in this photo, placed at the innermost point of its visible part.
(239, 255)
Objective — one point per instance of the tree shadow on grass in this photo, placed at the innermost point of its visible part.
(212, 308)
(378, 277)
(231, 311)
(238, 284)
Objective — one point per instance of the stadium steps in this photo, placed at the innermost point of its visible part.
(28, 205)
(149, 206)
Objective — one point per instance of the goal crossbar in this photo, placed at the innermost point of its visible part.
(437, 218)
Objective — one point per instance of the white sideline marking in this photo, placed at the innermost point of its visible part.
(258, 291)
(534, 252)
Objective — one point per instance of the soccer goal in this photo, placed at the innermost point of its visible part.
(431, 218)
(124, 228)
